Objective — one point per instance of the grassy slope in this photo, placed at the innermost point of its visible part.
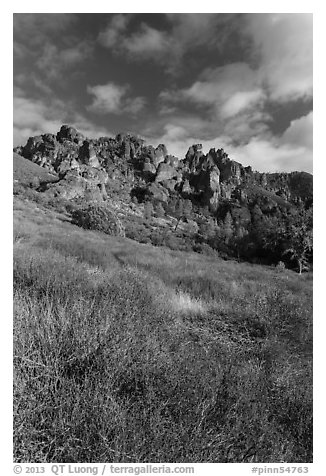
(127, 352)
(25, 171)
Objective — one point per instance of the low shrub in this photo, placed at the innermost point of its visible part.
(98, 217)
(280, 266)
(205, 249)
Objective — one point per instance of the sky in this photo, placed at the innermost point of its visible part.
(242, 82)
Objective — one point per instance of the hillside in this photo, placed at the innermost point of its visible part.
(205, 203)
(26, 172)
(126, 352)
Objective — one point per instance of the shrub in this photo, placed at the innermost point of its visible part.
(280, 266)
(156, 238)
(98, 217)
(205, 249)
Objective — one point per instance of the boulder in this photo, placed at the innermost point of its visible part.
(69, 133)
(94, 175)
(33, 145)
(87, 155)
(226, 190)
(149, 168)
(158, 192)
(169, 184)
(149, 151)
(165, 172)
(171, 160)
(193, 157)
(213, 190)
(186, 187)
(70, 187)
(207, 182)
(125, 148)
(159, 154)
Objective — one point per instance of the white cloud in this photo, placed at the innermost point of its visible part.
(284, 45)
(185, 32)
(240, 101)
(90, 130)
(300, 132)
(34, 117)
(265, 153)
(110, 36)
(147, 42)
(226, 90)
(53, 61)
(233, 97)
(271, 156)
(107, 98)
(111, 98)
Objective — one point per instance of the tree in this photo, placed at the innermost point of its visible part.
(159, 210)
(207, 229)
(299, 236)
(148, 210)
(179, 209)
(240, 240)
(228, 227)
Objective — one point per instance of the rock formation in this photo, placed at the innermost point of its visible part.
(89, 168)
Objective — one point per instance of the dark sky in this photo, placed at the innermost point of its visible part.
(238, 81)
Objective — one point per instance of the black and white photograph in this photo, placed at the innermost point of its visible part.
(162, 239)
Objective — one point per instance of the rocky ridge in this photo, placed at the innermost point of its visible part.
(92, 169)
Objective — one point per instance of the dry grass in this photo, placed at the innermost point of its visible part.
(126, 352)
(184, 303)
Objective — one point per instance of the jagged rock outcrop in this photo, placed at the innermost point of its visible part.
(185, 188)
(158, 192)
(159, 154)
(87, 182)
(193, 157)
(207, 182)
(148, 167)
(165, 172)
(87, 155)
(91, 167)
(69, 133)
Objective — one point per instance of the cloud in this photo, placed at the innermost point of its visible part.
(229, 99)
(227, 90)
(235, 97)
(266, 153)
(271, 156)
(240, 101)
(300, 132)
(178, 138)
(53, 60)
(111, 35)
(35, 28)
(40, 40)
(147, 42)
(111, 98)
(34, 117)
(276, 48)
(283, 43)
(184, 32)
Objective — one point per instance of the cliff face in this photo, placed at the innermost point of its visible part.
(89, 169)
